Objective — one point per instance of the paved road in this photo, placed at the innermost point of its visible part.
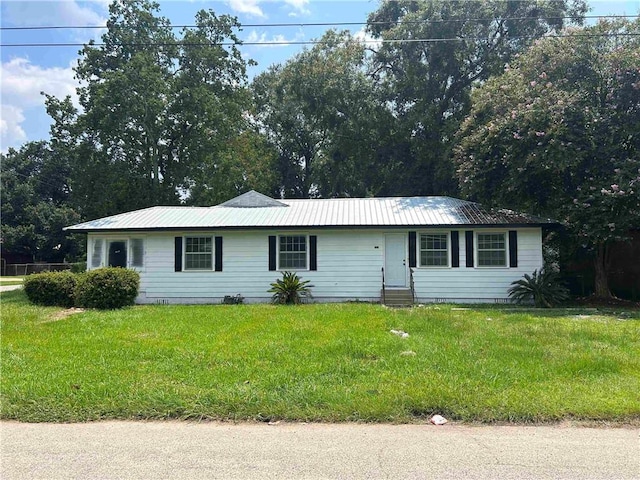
(183, 450)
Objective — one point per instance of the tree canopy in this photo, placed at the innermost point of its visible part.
(558, 134)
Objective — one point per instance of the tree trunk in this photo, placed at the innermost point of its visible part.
(601, 280)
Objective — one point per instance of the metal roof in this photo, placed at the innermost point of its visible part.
(247, 211)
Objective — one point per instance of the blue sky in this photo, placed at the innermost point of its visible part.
(26, 71)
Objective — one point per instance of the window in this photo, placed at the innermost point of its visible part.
(292, 252)
(136, 246)
(96, 253)
(492, 250)
(198, 253)
(434, 250)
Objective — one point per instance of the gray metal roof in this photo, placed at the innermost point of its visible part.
(248, 212)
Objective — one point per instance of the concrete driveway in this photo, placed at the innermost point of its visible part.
(185, 450)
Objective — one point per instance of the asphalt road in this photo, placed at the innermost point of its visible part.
(185, 450)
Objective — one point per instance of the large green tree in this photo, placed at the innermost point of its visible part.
(34, 197)
(158, 108)
(434, 51)
(558, 134)
(320, 113)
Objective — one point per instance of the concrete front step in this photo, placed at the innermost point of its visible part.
(397, 297)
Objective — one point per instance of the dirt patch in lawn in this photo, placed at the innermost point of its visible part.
(62, 314)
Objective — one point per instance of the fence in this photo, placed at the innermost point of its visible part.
(19, 269)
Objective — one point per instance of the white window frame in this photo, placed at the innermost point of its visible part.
(306, 246)
(104, 254)
(184, 254)
(419, 247)
(477, 249)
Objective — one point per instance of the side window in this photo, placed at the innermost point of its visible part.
(492, 250)
(434, 250)
(198, 253)
(292, 252)
(136, 247)
(96, 252)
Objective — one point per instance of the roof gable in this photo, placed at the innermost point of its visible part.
(252, 199)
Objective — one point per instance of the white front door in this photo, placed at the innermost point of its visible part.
(395, 260)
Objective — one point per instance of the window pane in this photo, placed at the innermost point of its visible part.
(137, 252)
(292, 252)
(96, 255)
(492, 250)
(198, 253)
(434, 250)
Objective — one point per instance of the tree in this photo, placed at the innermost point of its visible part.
(319, 112)
(158, 109)
(444, 48)
(35, 204)
(557, 134)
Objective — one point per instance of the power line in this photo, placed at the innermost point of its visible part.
(329, 24)
(285, 43)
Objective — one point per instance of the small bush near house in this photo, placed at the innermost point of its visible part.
(51, 288)
(79, 267)
(107, 288)
(290, 289)
(543, 288)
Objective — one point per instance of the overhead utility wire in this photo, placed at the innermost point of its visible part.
(306, 42)
(328, 24)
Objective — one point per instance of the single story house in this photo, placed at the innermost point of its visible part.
(434, 249)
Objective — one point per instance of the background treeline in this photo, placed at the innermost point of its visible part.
(488, 100)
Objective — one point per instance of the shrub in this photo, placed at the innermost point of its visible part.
(290, 289)
(51, 288)
(543, 288)
(107, 288)
(79, 267)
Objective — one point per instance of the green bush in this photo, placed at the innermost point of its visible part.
(79, 267)
(107, 288)
(543, 288)
(51, 288)
(290, 289)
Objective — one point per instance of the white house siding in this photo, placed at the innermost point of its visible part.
(349, 266)
(479, 284)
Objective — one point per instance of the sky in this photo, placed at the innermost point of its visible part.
(28, 71)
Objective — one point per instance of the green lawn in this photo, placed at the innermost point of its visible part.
(11, 280)
(318, 363)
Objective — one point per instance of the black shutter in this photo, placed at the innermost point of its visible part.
(313, 252)
(272, 252)
(178, 254)
(218, 264)
(455, 249)
(412, 249)
(513, 248)
(468, 235)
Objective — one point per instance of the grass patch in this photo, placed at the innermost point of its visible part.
(318, 363)
(11, 280)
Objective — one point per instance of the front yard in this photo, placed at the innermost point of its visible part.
(319, 363)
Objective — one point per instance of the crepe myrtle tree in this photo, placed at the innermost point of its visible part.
(558, 134)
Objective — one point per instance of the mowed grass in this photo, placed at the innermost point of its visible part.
(318, 363)
(11, 280)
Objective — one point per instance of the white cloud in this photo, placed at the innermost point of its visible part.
(20, 87)
(62, 12)
(267, 41)
(369, 40)
(299, 5)
(247, 6)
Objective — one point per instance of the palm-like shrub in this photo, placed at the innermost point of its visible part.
(543, 288)
(290, 289)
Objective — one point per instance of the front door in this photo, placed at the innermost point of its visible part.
(395, 260)
(118, 253)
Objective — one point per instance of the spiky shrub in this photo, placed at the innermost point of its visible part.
(543, 288)
(290, 289)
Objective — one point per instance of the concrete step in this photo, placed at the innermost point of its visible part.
(397, 297)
